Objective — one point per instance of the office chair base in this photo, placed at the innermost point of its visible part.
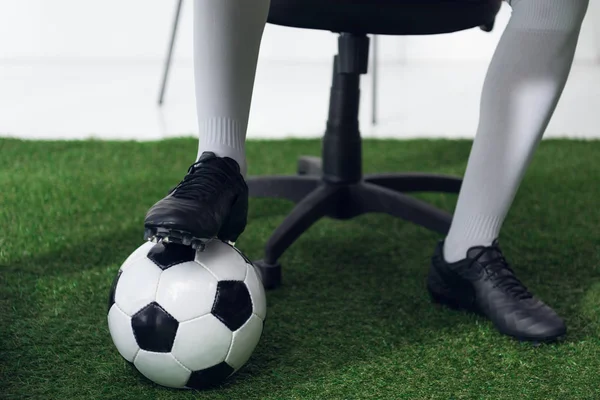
(270, 273)
(309, 165)
(333, 186)
(316, 198)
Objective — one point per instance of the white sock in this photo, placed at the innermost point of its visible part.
(524, 82)
(227, 36)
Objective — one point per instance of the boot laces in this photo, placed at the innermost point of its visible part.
(500, 273)
(202, 180)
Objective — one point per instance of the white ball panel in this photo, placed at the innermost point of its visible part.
(202, 342)
(162, 368)
(119, 325)
(245, 340)
(141, 251)
(223, 261)
(137, 286)
(187, 291)
(257, 292)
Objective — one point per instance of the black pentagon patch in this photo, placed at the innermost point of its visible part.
(209, 377)
(233, 305)
(113, 289)
(154, 328)
(167, 255)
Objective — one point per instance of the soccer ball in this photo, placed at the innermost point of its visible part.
(186, 319)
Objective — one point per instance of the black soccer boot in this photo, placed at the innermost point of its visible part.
(210, 202)
(485, 284)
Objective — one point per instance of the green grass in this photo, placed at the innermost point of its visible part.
(353, 319)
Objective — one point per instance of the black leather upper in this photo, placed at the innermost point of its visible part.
(385, 17)
(211, 201)
(483, 282)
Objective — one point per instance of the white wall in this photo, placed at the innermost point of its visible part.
(111, 34)
(137, 31)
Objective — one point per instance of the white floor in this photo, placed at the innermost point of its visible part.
(74, 100)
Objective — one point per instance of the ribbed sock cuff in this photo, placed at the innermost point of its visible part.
(222, 132)
(474, 230)
(225, 137)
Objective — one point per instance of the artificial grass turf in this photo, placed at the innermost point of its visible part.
(352, 320)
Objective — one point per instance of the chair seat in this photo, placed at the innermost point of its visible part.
(384, 17)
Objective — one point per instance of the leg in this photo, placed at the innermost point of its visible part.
(227, 36)
(212, 200)
(524, 82)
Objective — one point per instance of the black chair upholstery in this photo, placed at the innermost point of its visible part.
(384, 17)
(333, 185)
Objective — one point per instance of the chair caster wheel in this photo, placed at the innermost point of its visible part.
(270, 274)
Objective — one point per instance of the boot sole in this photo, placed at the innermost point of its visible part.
(175, 236)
